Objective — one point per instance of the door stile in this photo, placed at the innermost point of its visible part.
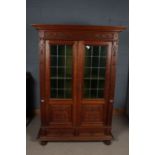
(75, 83)
(108, 75)
(80, 79)
(47, 77)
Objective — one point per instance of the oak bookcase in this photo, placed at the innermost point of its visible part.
(77, 80)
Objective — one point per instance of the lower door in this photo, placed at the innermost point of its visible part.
(61, 84)
(93, 75)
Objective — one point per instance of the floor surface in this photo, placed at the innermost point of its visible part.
(119, 146)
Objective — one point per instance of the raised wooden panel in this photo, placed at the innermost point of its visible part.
(59, 132)
(92, 114)
(60, 101)
(60, 114)
(93, 101)
(91, 132)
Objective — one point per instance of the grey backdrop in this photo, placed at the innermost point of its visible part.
(84, 12)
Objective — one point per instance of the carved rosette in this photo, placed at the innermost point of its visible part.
(41, 42)
(115, 45)
(41, 35)
(116, 36)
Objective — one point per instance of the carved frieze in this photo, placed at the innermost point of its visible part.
(49, 35)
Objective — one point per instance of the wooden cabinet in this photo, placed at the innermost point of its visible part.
(77, 79)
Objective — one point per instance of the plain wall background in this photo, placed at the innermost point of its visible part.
(83, 12)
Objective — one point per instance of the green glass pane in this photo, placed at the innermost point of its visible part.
(103, 51)
(88, 50)
(60, 84)
(61, 50)
(100, 84)
(96, 51)
(93, 93)
(68, 83)
(94, 73)
(53, 72)
(68, 93)
(53, 93)
(61, 61)
(86, 93)
(61, 71)
(68, 72)
(95, 61)
(94, 84)
(100, 93)
(87, 84)
(53, 84)
(102, 62)
(68, 51)
(87, 72)
(60, 93)
(87, 61)
(68, 61)
(53, 61)
(102, 72)
(53, 50)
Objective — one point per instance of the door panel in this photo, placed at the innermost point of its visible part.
(92, 114)
(61, 83)
(95, 65)
(60, 115)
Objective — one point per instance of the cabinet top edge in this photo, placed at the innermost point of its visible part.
(79, 27)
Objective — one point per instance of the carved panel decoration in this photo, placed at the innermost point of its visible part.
(41, 34)
(114, 50)
(92, 113)
(57, 132)
(60, 114)
(92, 132)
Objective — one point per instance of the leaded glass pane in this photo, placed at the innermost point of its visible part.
(94, 71)
(61, 71)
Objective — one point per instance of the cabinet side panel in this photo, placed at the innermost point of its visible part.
(112, 84)
(42, 77)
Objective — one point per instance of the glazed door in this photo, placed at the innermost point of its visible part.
(94, 74)
(77, 83)
(61, 84)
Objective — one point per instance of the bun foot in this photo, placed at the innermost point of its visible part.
(43, 142)
(107, 142)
